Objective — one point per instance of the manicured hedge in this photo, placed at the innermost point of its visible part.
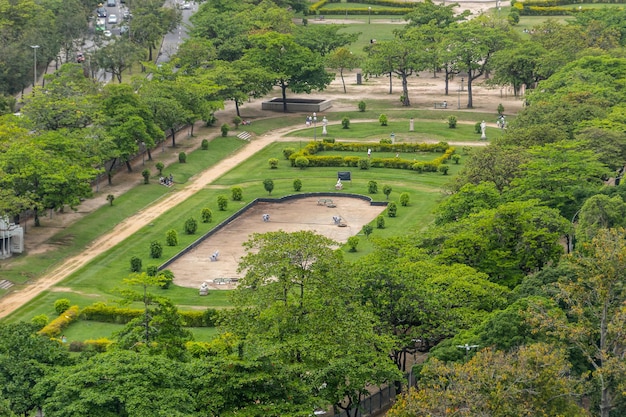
(112, 314)
(56, 326)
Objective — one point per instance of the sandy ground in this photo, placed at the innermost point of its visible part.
(424, 91)
(308, 213)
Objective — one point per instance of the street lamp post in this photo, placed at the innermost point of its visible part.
(467, 348)
(458, 98)
(314, 126)
(462, 79)
(369, 15)
(143, 153)
(35, 47)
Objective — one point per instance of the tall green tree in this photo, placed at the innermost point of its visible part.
(593, 318)
(342, 59)
(291, 66)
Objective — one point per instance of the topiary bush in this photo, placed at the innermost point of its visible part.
(191, 226)
(456, 158)
(268, 184)
(477, 128)
(207, 215)
(302, 162)
(353, 242)
(171, 237)
(167, 277)
(156, 249)
(236, 122)
(451, 122)
(160, 166)
(392, 209)
(110, 199)
(204, 145)
(236, 193)
(345, 122)
(364, 163)
(367, 230)
(443, 169)
(380, 222)
(287, 152)
(273, 163)
(372, 187)
(182, 157)
(222, 202)
(387, 190)
(61, 305)
(362, 106)
(382, 119)
(152, 270)
(404, 199)
(135, 264)
(224, 129)
(297, 184)
(146, 176)
(40, 320)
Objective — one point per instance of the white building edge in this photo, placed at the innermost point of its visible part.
(11, 238)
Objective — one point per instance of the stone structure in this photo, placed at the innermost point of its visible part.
(303, 105)
(11, 238)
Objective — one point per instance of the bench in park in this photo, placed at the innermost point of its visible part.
(441, 105)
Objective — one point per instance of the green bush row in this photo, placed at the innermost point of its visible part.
(545, 11)
(111, 314)
(365, 11)
(56, 326)
(390, 3)
(551, 3)
(318, 5)
(314, 147)
(97, 345)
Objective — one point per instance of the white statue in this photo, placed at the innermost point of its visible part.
(339, 185)
(483, 127)
(324, 124)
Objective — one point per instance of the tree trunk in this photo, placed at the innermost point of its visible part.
(390, 85)
(173, 137)
(129, 167)
(405, 91)
(237, 107)
(149, 154)
(110, 171)
(283, 88)
(342, 81)
(470, 102)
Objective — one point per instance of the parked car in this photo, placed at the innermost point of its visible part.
(101, 12)
(112, 19)
(126, 15)
(186, 6)
(110, 3)
(107, 33)
(124, 29)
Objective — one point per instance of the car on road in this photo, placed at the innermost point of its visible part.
(126, 15)
(101, 12)
(110, 3)
(186, 6)
(112, 19)
(124, 29)
(107, 33)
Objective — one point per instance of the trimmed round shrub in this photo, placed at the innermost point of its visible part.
(207, 215)
(367, 230)
(135, 264)
(297, 184)
(404, 199)
(387, 190)
(191, 226)
(171, 237)
(110, 199)
(443, 168)
(237, 193)
(224, 129)
(353, 242)
(382, 119)
(456, 158)
(146, 176)
(380, 221)
(372, 187)
(364, 163)
(222, 202)
(273, 163)
(156, 249)
(268, 184)
(392, 209)
(152, 270)
(40, 320)
(477, 128)
(204, 145)
(236, 121)
(182, 157)
(345, 122)
(61, 305)
(287, 152)
(167, 277)
(362, 106)
(160, 166)
(302, 162)
(451, 122)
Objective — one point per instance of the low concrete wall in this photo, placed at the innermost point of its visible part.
(297, 105)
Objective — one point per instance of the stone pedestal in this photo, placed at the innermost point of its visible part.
(411, 125)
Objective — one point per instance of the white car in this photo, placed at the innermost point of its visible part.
(107, 33)
(112, 19)
(186, 6)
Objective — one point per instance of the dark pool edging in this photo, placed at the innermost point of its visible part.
(251, 204)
